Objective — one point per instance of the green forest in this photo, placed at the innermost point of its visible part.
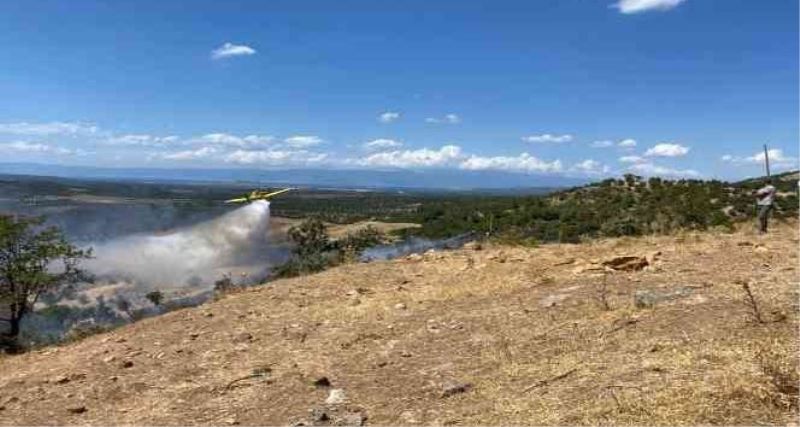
(628, 206)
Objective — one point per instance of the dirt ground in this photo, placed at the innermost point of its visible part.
(498, 336)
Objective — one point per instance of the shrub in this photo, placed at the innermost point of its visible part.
(155, 297)
(314, 251)
(351, 246)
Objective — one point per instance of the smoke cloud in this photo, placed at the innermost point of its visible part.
(234, 243)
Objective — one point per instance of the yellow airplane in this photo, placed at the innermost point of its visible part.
(257, 195)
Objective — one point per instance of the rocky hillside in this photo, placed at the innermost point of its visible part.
(652, 330)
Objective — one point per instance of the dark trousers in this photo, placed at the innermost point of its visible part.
(763, 217)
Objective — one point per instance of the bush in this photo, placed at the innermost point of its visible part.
(302, 265)
(351, 246)
(155, 297)
(310, 237)
(225, 285)
(314, 250)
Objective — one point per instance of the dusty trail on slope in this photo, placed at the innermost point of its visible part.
(521, 326)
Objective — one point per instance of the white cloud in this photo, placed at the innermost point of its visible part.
(25, 147)
(228, 140)
(627, 143)
(36, 148)
(229, 50)
(557, 139)
(200, 153)
(423, 157)
(776, 158)
(521, 163)
(299, 141)
(275, 157)
(629, 7)
(382, 144)
(388, 117)
(219, 140)
(49, 129)
(667, 150)
(602, 144)
(653, 169)
(591, 167)
(142, 140)
(450, 119)
(632, 159)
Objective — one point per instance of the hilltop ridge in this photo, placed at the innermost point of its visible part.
(557, 334)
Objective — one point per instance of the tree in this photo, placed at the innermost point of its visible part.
(33, 260)
(155, 297)
(310, 237)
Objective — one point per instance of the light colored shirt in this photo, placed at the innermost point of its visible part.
(766, 195)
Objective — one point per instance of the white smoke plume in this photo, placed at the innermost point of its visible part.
(236, 242)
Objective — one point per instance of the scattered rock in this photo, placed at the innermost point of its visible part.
(455, 387)
(644, 298)
(76, 409)
(473, 246)
(242, 337)
(336, 397)
(405, 353)
(109, 359)
(351, 419)
(498, 257)
(400, 306)
(329, 416)
(127, 364)
(653, 257)
(626, 263)
(414, 257)
(322, 382)
(761, 249)
(319, 415)
(61, 379)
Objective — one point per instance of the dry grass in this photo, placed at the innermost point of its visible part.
(518, 324)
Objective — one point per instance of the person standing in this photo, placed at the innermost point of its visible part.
(765, 200)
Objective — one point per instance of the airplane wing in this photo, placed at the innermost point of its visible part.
(239, 200)
(274, 193)
(255, 195)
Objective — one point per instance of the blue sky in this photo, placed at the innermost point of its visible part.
(571, 87)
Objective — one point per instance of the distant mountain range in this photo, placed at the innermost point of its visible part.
(336, 178)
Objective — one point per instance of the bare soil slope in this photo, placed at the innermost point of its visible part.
(495, 336)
